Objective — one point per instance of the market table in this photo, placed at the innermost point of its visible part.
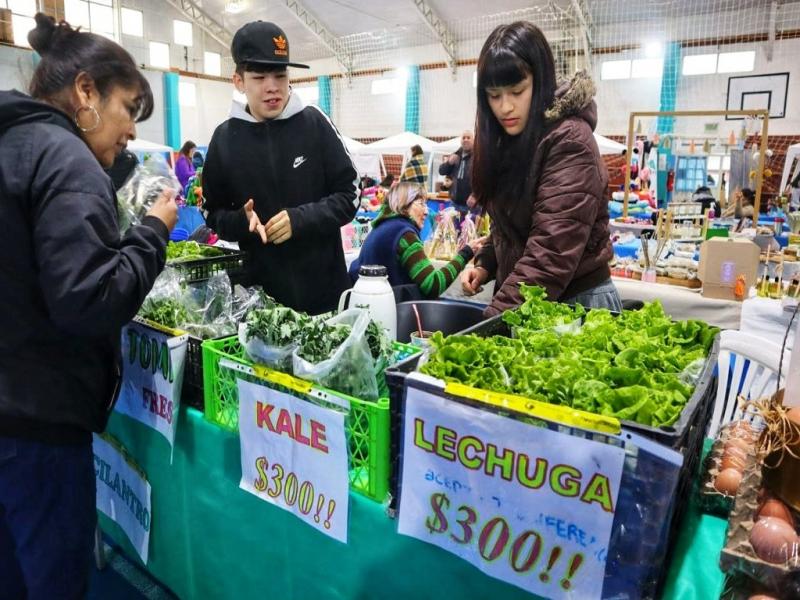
(209, 539)
(682, 303)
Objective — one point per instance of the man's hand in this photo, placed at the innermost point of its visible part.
(279, 228)
(452, 159)
(472, 280)
(254, 222)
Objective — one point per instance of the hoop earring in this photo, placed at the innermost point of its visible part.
(96, 119)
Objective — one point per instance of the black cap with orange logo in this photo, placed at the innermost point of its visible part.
(263, 43)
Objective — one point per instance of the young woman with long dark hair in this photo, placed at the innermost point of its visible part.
(70, 282)
(538, 173)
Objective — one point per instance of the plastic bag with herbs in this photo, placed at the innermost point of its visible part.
(336, 354)
(269, 335)
(210, 307)
(148, 181)
(165, 303)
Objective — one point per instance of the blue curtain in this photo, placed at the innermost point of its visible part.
(324, 85)
(172, 111)
(412, 100)
(669, 86)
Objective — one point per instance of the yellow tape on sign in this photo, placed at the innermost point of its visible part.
(287, 381)
(534, 408)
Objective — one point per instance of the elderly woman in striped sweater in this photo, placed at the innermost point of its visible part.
(394, 242)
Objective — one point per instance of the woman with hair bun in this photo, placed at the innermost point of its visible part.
(69, 284)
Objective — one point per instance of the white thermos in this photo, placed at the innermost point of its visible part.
(373, 292)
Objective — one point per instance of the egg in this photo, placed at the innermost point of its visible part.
(773, 540)
(776, 509)
(727, 482)
(740, 444)
(732, 461)
(741, 429)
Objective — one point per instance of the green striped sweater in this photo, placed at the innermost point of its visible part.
(432, 282)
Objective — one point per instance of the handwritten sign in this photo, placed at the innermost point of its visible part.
(152, 377)
(123, 493)
(522, 503)
(294, 455)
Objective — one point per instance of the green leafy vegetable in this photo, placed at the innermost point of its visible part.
(184, 251)
(536, 313)
(629, 367)
(276, 326)
(165, 311)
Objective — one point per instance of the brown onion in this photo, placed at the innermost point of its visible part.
(773, 540)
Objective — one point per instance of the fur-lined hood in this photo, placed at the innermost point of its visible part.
(574, 97)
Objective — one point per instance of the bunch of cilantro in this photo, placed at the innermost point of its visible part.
(629, 367)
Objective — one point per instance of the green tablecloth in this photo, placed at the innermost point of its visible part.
(209, 539)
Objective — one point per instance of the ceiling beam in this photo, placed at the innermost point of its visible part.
(204, 21)
(325, 37)
(440, 30)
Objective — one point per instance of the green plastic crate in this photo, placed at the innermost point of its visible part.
(367, 424)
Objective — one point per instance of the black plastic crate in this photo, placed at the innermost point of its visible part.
(232, 261)
(649, 509)
(192, 391)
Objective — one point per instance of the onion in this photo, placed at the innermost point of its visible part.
(727, 482)
(773, 540)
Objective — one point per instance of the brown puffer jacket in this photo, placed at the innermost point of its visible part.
(559, 239)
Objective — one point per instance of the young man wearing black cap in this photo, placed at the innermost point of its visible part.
(278, 179)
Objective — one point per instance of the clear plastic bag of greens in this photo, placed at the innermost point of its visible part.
(210, 305)
(148, 181)
(335, 354)
(165, 304)
(269, 335)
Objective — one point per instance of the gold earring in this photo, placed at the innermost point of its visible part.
(96, 119)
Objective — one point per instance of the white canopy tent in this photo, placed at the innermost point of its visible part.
(608, 146)
(401, 144)
(368, 162)
(792, 153)
(140, 146)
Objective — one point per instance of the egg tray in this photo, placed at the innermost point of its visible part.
(738, 555)
(710, 500)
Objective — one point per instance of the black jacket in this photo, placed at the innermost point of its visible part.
(68, 283)
(297, 162)
(461, 174)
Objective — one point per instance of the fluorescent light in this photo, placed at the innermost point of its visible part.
(234, 7)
